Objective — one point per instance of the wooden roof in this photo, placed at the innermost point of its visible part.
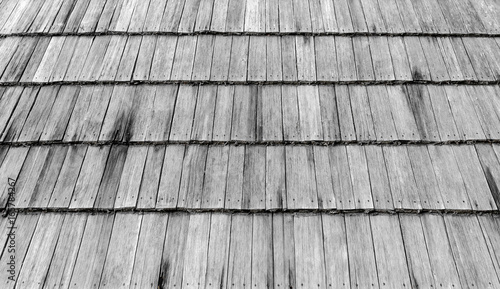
(250, 144)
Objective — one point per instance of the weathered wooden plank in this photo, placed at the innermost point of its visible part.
(442, 113)
(275, 178)
(130, 182)
(77, 60)
(286, 18)
(283, 251)
(218, 251)
(222, 56)
(61, 66)
(172, 16)
(188, 18)
(128, 60)
(289, 58)
(435, 61)
(329, 113)
(262, 251)
(343, 16)
(214, 184)
(170, 179)
(373, 16)
(88, 116)
(223, 113)
(67, 178)
(317, 24)
(362, 266)
(40, 111)
(184, 113)
(291, 124)
(417, 255)
(360, 178)
(138, 17)
(383, 122)
(107, 14)
(174, 250)
(336, 256)
(140, 117)
(257, 64)
(195, 258)
(149, 250)
(477, 57)
(36, 57)
(301, 16)
(92, 253)
(326, 58)
(91, 70)
(239, 59)
(193, 173)
(29, 175)
(383, 66)
(254, 178)
(361, 112)
(345, 58)
(274, 65)
(91, 172)
(427, 183)
(150, 183)
(309, 113)
(489, 225)
(379, 180)
(324, 184)
(243, 127)
(162, 112)
(309, 252)
(14, 123)
(235, 16)
(219, 16)
(486, 113)
(154, 15)
(49, 59)
(9, 103)
(255, 16)
(344, 112)
(400, 61)
(115, 123)
(270, 112)
(394, 23)
(15, 68)
(10, 169)
(491, 168)
(234, 187)
(419, 100)
(106, 196)
(118, 267)
(144, 59)
(357, 16)
(163, 58)
(404, 189)
(40, 251)
(66, 251)
(204, 16)
(204, 114)
(402, 114)
(300, 178)
(306, 63)
(389, 252)
(418, 63)
(203, 57)
(272, 16)
(240, 251)
(92, 16)
(74, 18)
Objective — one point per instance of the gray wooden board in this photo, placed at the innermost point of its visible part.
(270, 109)
(469, 250)
(344, 110)
(404, 189)
(363, 58)
(257, 53)
(234, 183)
(402, 114)
(301, 16)
(275, 178)
(114, 125)
(394, 23)
(390, 254)
(121, 18)
(60, 114)
(462, 57)
(383, 67)
(40, 251)
(357, 16)
(150, 182)
(203, 57)
(336, 255)
(417, 255)
(92, 16)
(49, 59)
(31, 66)
(29, 174)
(168, 191)
(289, 102)
(324, 184)
(144, 59)
(383, 122)
(239, 58)
(418, 63)
(309, 252)
(195, 258)
(240, 252)
(110, 180)
(77, 60)
(486, 113)
(379, 180)
(254, 178)
(437, 66)
(219, 15)
(362, 265)
(75, 17)
(184, 113)
(341, 178)
(66, 251)
(154, 15)
(88, 120)
(255, 16)
(138, 17)
(91, 172)
(15, 123)
(235, 16)
(306, 63)
(184, 58)
(203, 121)
(286, 17)
(489, 225)
(361, 112)
(300, 177)
(128, 59)
(451, 60)
(262, 251)
(223, 113)
(214, 185)
(343, 16)
(221, 58)
(442, 113)
(15, 68)
(162, 112)
(274, 63)
(283, 251)
(243, 127)
(400, 61)
(9, 103)
(272, 16)
(326, 58)
(443, 265)
(419, 100)
(149, 250)
(317, 16)
(329, 114)
(40, 111)
(309, 113)
(465, 116)
(489, 163)
(93, 64)
(63, 60)
(218, 251)
(193, 170)
(163, 58)
(345, 58)
(477, 57)
(140, 118)
(107, 15)
(67, 178)
(373, 16)
(289, 58)
(10, 169)
(427, 183)
(172, 16)
(360, 178)
(204, 16)
(132, 173)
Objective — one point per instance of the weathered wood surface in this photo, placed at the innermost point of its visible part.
(256, 177)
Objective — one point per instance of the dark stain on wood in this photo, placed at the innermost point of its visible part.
(493, 186)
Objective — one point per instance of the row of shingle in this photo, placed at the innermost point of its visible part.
(237, 16)
(178, 250)
(218, 58)
(249, 113)
(254, 177)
